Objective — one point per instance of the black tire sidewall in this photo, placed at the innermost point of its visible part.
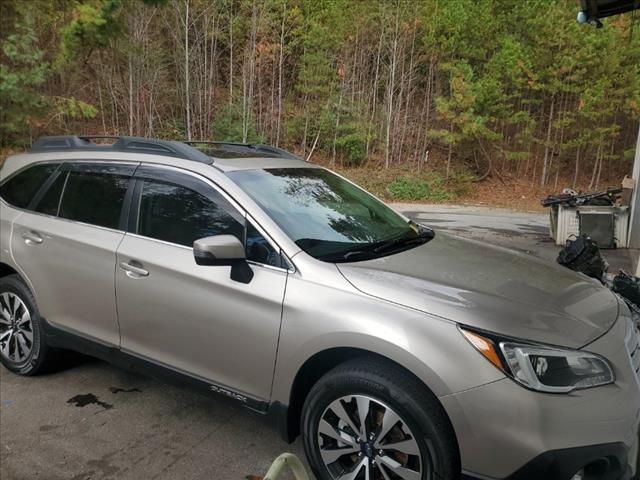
(34, 361)
(434, 446)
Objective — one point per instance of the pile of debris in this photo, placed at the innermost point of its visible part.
(571, 198)
(603, 216)
(582, 254)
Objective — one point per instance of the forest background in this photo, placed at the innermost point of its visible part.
(469, 101)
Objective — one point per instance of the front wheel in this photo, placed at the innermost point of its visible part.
(371, 420)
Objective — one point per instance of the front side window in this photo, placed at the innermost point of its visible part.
(327, 216)
(180, 215)
(20, 189)
(177, 214)
(94, 197)
(260, 250)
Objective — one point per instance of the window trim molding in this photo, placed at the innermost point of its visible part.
(70, 221)
(157, 240)
(113, 167)
(64, 188)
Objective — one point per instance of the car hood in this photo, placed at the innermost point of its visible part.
(491, 288)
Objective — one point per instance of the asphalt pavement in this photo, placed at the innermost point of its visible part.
(94, 421)
(90, 420)
(526, 232)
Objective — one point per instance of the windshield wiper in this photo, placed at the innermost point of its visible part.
(423, 236)
(351, 255)
(375, 250)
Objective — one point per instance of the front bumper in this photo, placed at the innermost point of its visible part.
(606, 462)
(507, 432)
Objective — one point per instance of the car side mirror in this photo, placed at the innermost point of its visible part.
(224, 250)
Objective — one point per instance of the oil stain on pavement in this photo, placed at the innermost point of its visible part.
(88, 399)
(115, 390)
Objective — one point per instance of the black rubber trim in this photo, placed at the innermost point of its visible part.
(134, 206)
(278, 415)
(33, 204)
(58, 338)
(126, 205)
(564, 464)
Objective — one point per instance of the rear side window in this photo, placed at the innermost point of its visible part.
(20, 189)
(50, 201)
(177, 214)
(94, 198)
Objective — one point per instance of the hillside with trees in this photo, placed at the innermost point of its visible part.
(428, 99)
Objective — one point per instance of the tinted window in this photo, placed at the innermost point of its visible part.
(21, 188)
(50, 202)
(180, 215)
(94, 198)
(259, 249)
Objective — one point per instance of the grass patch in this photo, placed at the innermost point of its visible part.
(417, 188)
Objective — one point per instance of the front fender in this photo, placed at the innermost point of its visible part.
(317, 317)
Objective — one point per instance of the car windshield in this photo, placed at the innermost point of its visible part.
(327, 216)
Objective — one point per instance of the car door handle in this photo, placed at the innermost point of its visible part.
(134, 269)
(32, 238)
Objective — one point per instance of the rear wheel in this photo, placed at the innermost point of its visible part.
(22, 346)
(371, 420)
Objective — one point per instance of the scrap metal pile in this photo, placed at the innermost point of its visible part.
(603, 216)
(572, 198)
(582, 254)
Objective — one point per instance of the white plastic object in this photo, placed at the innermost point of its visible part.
(290, 460)
(568, 224)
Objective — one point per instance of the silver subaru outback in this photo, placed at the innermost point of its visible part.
(397, 352)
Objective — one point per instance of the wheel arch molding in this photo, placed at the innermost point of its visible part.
(285, 411)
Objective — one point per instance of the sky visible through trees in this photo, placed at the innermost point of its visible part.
(465, 87)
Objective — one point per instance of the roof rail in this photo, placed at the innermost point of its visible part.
(239, 150)
(151, 146)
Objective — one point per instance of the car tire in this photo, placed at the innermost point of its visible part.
(22, 346)
(400, 412)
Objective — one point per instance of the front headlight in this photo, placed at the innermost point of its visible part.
(543, 368)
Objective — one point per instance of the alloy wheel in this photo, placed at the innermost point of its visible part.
(16, 328)
(361, 438)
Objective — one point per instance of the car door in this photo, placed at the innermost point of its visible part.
(66, 245)
(196, 319)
